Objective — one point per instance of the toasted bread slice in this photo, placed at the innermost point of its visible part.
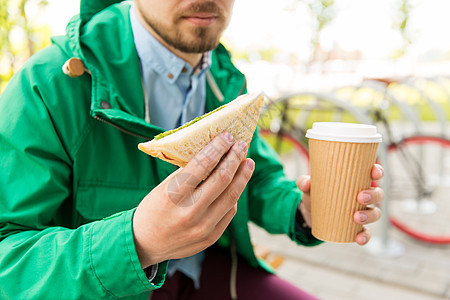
(238, 117)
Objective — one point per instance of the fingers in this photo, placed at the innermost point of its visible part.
(226, 172)
(304, 183)
(373, 196)
(363, 237)
(205, 235)
(377, 172)
(205, 161)
(231, 194)
(372, 214)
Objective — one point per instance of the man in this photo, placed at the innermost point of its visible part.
(72, 175)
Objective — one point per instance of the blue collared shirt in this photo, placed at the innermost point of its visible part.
(175, 94)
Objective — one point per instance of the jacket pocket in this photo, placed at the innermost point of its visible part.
(98, 201)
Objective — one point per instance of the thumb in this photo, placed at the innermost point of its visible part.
(304, 183)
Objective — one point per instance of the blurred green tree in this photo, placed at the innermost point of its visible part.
(323, 11)
(20, 35)
(402, 23)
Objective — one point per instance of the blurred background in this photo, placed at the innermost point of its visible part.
(292, 44)
(282, 45)
(381, 62)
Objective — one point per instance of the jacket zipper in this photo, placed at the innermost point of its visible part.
(121, 129)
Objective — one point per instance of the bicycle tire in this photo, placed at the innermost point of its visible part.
(294, 155)
(424, 233)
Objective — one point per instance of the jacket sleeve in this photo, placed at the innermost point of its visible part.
(273, 198)
(41, 257)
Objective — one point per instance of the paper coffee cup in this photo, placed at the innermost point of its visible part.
(341, 159)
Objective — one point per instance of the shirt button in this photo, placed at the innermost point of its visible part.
(105, 105)
(184, 70)
(73, 67)
(170, 75)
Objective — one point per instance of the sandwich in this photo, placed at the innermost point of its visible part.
(178, 146)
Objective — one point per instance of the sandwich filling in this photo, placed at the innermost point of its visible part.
(168, 132)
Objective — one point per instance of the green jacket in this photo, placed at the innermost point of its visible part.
(72, 176)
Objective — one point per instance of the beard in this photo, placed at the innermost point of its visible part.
(195, 39)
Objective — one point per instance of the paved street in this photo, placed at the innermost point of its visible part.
(347, 271)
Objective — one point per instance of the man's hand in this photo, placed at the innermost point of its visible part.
(191, 209)
(372, 196)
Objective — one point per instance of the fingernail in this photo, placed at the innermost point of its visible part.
(228, 136)
(362, 217)
(380, 170)
(251, 164)
(243, 145)
(366, 198)
(300, 186)
(363, 240)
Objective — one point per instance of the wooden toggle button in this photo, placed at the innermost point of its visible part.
(73, 67)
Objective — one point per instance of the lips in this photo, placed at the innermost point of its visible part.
(201, 19)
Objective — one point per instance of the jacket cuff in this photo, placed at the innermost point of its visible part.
(114, 259)
(151, 272)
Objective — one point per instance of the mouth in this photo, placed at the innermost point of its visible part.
(203, 19)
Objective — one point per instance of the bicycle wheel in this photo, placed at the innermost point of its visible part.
(419, 187)
(294, 155)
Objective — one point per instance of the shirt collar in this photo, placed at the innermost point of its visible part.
(204, 64)
(153, 54)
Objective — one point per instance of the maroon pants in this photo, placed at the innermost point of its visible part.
(252, 283)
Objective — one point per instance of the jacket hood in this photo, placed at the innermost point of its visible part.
(88, 8)
(103, 39)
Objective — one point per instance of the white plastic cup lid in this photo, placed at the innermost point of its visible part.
(344, 132)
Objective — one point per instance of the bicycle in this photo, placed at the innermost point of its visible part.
(286, 134)
(283, 123)
(418, 185)
(418, 164)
